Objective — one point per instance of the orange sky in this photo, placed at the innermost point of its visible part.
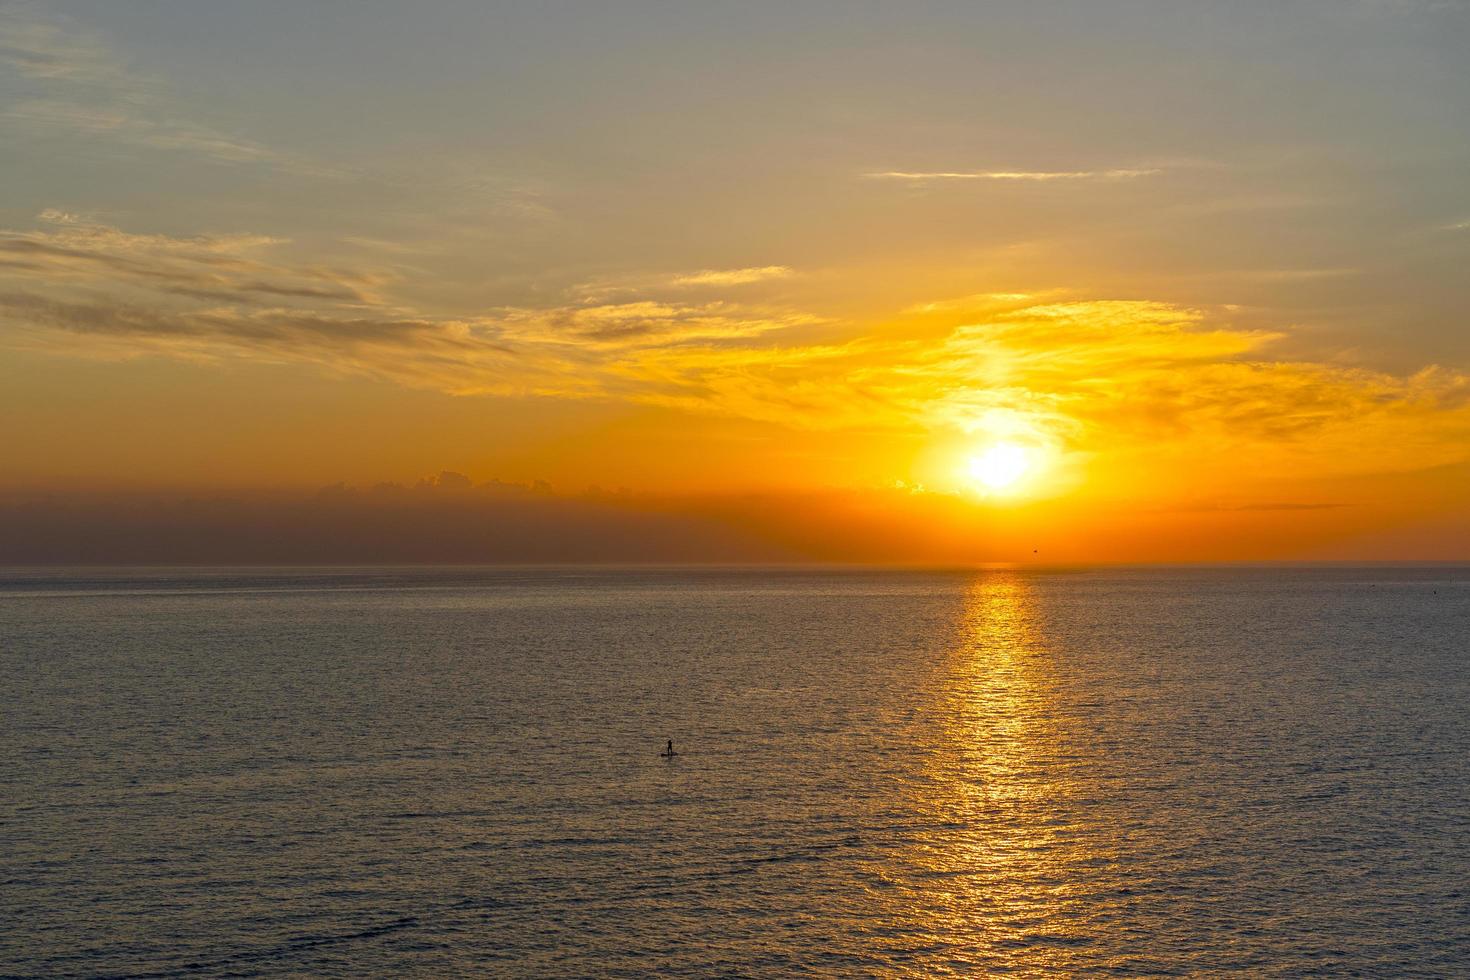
(1211, 317)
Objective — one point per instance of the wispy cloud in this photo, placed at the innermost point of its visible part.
(214, 296)
(636, 286)
(1281, 275)
(41, 48)
(611, 330)
(733, 277)
(976, 301)
(1014, 175)
(65, 78)
(77, 252)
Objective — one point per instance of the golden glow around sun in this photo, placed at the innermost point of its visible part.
(1000, 467)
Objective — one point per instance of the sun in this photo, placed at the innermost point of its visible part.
(1000, 467)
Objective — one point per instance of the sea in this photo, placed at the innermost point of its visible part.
(1163, 771)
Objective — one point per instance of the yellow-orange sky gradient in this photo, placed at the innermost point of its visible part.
(775, 276)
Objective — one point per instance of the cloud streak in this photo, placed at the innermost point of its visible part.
(1036, 176)
(66, 79)
(733, 277)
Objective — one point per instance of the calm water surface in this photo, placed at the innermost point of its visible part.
(441, 772)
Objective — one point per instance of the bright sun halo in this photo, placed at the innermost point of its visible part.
(1000, 466)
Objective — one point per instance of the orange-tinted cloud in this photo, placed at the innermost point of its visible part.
(1130, 391)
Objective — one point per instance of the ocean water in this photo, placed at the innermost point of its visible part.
(456, 771)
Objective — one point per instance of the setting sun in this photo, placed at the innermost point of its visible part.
(1000, 467)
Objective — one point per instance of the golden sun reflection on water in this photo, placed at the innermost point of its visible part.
(995, 700)
(996, 873)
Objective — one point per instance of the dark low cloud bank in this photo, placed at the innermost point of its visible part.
(447, 519)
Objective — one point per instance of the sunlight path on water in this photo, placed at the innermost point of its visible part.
(991, 877)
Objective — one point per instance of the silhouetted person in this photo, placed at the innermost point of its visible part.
(669, 752)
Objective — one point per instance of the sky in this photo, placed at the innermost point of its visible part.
(927, 282)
